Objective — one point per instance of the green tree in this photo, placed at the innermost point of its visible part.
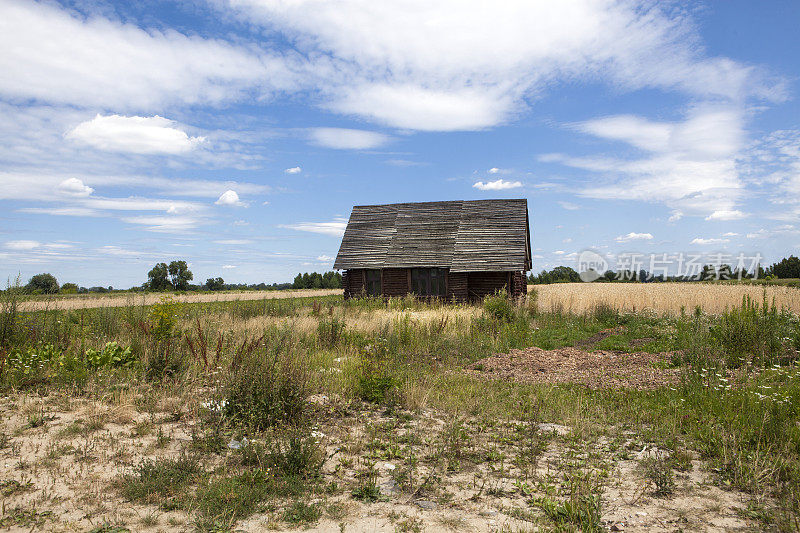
(215, 284)
(180, 275)
(43, 283)
(69, 288)
(157, 278)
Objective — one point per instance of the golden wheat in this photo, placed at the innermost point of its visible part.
(660, 297)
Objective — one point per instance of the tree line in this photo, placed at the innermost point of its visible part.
(314, 280)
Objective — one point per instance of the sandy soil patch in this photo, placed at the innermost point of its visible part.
(597, 370)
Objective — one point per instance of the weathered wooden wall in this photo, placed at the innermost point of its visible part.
(395, 282)
(457, 286)
(461, 286)
(353, 282)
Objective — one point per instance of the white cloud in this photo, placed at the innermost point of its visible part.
(675, 216)
(118, 251)
(726, 214)
(228, 267)
(230, 199)
(347, 139)
(730, 234)
(293, 170)
(22, 245)
(633, 236)
(137, 135)
(704, 242)
(497, 185)
(165, 224)
(691, 166)
(52, 55)
(324, 258)
(491, 59)
(569, 206)
(335, 227)
(494, 170)
(74, 187)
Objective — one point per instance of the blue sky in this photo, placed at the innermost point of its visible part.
(238, 134)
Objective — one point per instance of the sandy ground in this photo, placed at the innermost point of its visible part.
(59, 476)
(85, 302)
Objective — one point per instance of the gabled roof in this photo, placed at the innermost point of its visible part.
(464, 236)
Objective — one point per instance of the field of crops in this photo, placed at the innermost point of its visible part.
(662, 297)
(579, 409)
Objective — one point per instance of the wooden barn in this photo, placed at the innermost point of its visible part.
(456, 250)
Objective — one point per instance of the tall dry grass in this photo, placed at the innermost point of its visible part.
(660, 297)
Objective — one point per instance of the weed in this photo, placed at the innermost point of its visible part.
(376, 381)
(659, 473)
(300, 512)
(161, 482)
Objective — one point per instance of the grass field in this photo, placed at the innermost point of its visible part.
(365, 415)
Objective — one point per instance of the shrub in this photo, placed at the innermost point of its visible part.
(163, 317)
(268, 386)
(375, 377)
(499, 306)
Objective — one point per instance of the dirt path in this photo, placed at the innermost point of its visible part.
(86, 302)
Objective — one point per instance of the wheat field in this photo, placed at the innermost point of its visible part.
(660, 297)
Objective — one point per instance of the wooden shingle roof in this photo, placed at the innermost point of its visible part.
(464, 236)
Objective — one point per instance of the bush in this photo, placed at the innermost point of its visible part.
(499, 306)
(375, 378)
(267, 386)
(43, 284)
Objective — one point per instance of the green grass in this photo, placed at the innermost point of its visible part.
(746, 429)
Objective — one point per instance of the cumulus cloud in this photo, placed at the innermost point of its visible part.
(336, 227)
(74, 187)
(229, 199)
(347, 139)
(497, 185)
(136, 135)
(324, 258)
(633, 236)
(293, 170)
